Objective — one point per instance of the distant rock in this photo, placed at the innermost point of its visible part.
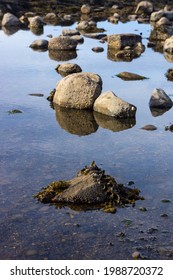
(61, 42)
(78, 91)
(36, 22)
(144, 7)
(86, 9)
(68, 68)
(39, 44)
(70, 32)
(10, 20)
(109, 104)
(98, 49)
(159, 99)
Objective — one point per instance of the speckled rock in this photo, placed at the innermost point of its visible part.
(78, 91)
(62, 43)
(109, 104)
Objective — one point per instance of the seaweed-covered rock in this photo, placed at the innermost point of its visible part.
(91, 187)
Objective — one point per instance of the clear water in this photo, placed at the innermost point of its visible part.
(37, 147)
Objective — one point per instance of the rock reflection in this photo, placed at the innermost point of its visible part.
(78, 122)
(156, 112)
(62, 55)
(37, 31)
(113, 124)
(10, 30)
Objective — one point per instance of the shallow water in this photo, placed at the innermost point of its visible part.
(40, 146)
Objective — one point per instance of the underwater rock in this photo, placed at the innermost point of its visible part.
(109, 104)
(91, 187)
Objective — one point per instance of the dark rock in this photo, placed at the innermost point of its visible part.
(159, 99)
(98, 49)
(127, 76)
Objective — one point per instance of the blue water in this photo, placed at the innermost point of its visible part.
(36, 148)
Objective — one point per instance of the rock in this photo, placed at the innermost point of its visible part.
(98, 36)
(39, 44)
(149, 127)
(98, 49)
(86, 25)
(155, 16)
(36, 22)
(120, 41)
(115, 18)
(76, 122)
(50, 18)
(162, 21)
(127, 76)
(159, 99)
(61, 42)
(109, 104)
(78, 90)
(91, 187)
(70, 32)
(144, 7)
(10, 20)
(168, 45)
(68, 18)
(132, 17)
(85, 9)
(78, 38)
(68, 68)
(169, 74)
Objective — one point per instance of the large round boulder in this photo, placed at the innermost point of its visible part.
(109, 104)
(78, 90)
(61, 42)
(36, 22)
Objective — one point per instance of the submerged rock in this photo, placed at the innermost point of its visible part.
(78, 91)
(90, 188)
(109, 104)
(159, 99)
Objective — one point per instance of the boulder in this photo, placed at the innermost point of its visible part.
(62, 43)
(50, 18)
(159, 99)
(121, 41)
(86, 25)
(78, 91)
(68, 68)
(109, 104)
(86, 9)
(10, 20)
(168, 45)
(39, 44)
(144, 7)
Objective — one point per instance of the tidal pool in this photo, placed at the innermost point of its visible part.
(40, 145)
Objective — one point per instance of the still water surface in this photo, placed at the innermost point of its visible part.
(39, 146)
